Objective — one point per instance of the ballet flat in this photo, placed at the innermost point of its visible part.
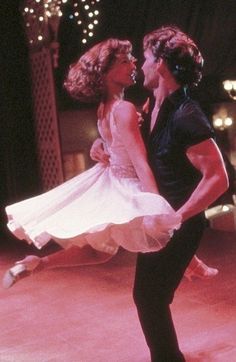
(21, 269)
(15, 273)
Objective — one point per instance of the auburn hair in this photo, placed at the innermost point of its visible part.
(85, 78)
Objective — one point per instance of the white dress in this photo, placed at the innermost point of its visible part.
(104, 207)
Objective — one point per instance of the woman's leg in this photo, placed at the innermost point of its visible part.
(75, 256)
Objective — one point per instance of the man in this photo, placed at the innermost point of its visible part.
(190, 174)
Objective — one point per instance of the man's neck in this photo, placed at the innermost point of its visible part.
(160, 94)
(172, 87)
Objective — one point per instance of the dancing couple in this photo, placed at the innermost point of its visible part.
(147, 194)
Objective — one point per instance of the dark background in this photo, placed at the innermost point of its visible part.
(211, 23)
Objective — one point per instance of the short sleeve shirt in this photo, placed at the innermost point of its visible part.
(180, 124)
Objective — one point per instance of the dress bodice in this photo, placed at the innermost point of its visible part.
(114, 146)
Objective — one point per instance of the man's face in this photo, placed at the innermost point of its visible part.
(150, 70)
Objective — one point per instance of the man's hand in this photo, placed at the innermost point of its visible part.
(97, 152)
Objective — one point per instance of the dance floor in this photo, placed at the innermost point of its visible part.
(86, 314)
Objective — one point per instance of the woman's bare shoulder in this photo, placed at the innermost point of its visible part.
(125, 112)
(125, 105)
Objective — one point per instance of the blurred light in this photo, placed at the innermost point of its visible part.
(227, 85)
(230, 87)
(228, 121)
(225, 208)
(222, 122)
(53, 9)
(218, 122)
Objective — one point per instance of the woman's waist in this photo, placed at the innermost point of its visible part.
(123, 170)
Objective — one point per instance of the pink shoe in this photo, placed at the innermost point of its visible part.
(21, 269)
(201, 271)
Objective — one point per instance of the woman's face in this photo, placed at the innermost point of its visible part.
(123, 71)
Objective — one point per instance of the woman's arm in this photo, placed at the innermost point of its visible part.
(127, 124)
(206, 158)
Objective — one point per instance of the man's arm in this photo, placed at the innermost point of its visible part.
(206, 158)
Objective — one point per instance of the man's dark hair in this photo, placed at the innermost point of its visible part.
(180, 53)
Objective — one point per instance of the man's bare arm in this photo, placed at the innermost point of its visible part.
(97, 152)
(206, 158)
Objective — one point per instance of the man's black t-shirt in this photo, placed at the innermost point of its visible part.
(180, 124)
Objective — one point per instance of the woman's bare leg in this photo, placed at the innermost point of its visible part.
(75, 256)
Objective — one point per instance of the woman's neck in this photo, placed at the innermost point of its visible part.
(114, 92)
(109, 99)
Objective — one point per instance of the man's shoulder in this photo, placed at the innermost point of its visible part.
(189, 103)
(189, 107)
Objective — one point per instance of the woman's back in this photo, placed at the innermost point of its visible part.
(114, 145)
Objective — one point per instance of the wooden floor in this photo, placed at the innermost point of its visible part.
(86, 314)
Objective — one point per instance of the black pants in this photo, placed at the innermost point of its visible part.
(157, 277)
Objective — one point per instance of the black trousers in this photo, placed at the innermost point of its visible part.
(157, 277)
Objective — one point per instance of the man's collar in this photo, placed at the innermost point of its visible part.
(178, 96)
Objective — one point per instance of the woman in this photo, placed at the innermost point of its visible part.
(110, 205)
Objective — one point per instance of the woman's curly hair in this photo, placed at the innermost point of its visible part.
(85, 79)
(180, 53)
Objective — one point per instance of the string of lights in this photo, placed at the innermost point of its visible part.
(86, 15)
(38, 14)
